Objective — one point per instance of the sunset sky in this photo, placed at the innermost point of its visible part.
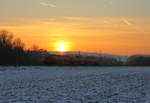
(107, 26)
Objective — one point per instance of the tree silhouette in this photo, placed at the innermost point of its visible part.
(11, 49)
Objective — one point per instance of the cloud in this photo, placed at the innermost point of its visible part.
(127, 22)
(47, 4)
(108, 2)
(79, 19)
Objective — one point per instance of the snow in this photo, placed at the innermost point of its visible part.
(74, 85)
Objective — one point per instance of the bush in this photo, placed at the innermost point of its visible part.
(138, 60)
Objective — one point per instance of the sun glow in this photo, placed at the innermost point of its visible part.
(62, 47)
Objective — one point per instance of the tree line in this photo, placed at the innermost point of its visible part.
(13, 52)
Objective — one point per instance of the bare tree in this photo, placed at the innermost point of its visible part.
(11, 49)
(17, 43)
(6, 39)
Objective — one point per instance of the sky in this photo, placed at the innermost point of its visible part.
(107, 26)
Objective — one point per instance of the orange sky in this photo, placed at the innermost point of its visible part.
(107, 26)
(107, 35)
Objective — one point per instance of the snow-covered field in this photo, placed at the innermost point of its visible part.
(74, 84)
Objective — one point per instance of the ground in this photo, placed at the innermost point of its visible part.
(74, 85)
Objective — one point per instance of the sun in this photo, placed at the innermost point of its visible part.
(62, 47)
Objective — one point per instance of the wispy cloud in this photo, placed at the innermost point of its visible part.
(78, 19)
(108, 2)
(126, 21)
(47, 4)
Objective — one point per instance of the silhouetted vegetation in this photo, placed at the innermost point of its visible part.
(80, 60)
(138, 60)
(12, 52)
